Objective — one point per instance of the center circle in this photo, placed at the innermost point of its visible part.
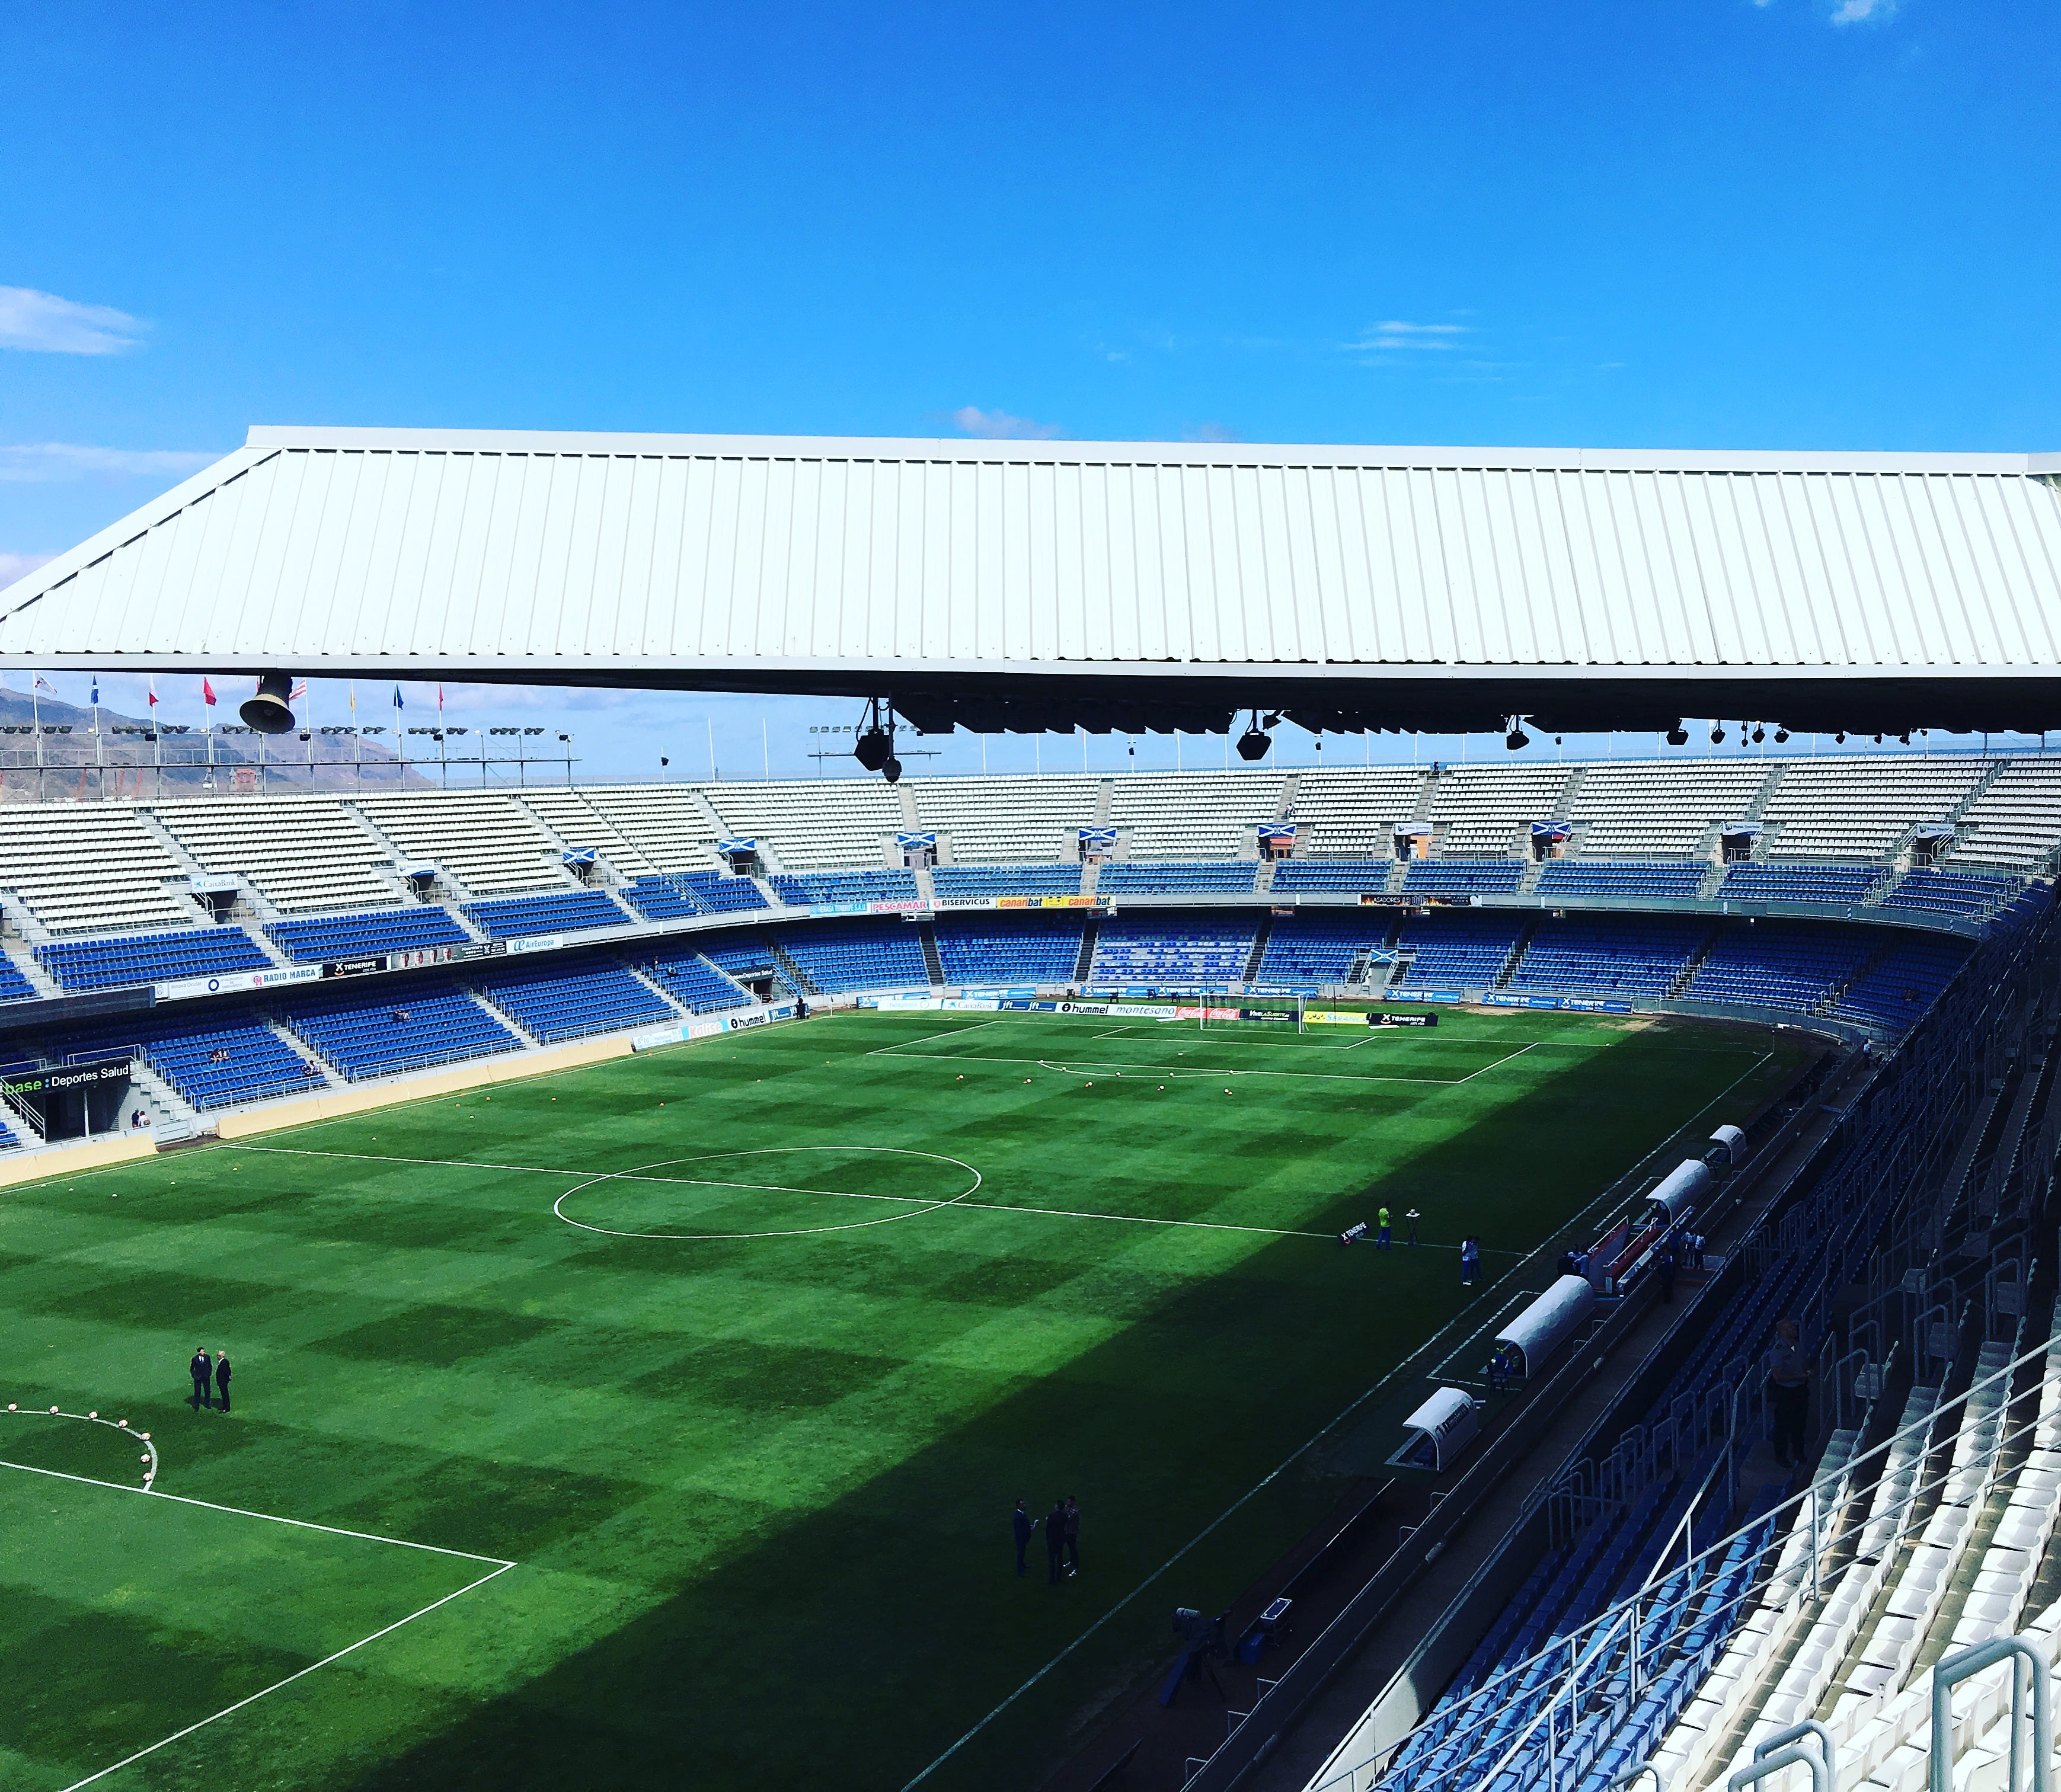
(751, 1178)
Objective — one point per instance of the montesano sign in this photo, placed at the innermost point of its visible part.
(36, 1086)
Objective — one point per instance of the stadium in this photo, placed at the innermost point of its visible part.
(1371, 1189)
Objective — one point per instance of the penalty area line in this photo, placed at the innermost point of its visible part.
(230, 1710)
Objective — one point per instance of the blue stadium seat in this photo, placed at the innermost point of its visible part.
(1136, 878)
(14, 985)
(805, 889)
(1173, 951)
(1968, 893)
(562, 912)
(213, 1054)
(949, 881)
(694, 983)
(1456, 950)
(1462, 877)
(1603, 877)
(1303, 951)
(101, 964)
(673, 895)
(388, 1025)
(1370, 875)
(1896, 990)
(857, 954)
(1778, 964)
(571, 996)
(1801, 883)
(1622, 955)
(330, 937)
(986, 948)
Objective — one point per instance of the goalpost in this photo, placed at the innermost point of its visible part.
(1216, 1010)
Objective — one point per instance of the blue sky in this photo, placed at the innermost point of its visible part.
(1809, 223)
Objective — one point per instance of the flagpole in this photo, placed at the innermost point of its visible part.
(36, 716)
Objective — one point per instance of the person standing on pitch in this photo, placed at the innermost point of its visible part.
(1055, 1542)
(221, 1377)
(1469, 1258)
(202, 1372)
(1073, 1535)
(1413, 1216)
(1021, 1524)
(1383, 1241)
(1788, 1392)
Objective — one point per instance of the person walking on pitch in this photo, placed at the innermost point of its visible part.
(1021, 1524)
(1073, 1535)
(202, 1372)
(221, 1377)
(1055, 1542)
(1413, 1216)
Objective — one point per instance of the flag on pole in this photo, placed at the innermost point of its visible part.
(96, 690)
(153, 694)
(353, 696)
(207, 693)
(298, 691)
(397, 703)
(440, 699)
(43, 683)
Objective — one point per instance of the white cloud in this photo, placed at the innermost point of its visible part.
(1378, 339)
(1210, 432)
(32, 463)
(46, 323)
(14, 567)
(1856, 12)
(998, 426)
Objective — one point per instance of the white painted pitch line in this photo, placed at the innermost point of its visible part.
(1520, 1051)
(1171, 1070)
(230, 1710)
(950, 1033)
(269, 1518)
(1270, 1476)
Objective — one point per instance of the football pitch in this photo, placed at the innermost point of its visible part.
(657, 1424)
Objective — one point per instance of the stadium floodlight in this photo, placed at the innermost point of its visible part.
(1516, 738)
(1759, 733)
(1781, 735)
(1254, 743)
(1678, 736)
(267, 709)
(1717, 734)
(1840, 738)
(892, 769)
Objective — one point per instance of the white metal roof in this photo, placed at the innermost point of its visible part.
(805, 563)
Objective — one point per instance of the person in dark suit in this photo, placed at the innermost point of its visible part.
(1665, 1269)
(1073, 1535)
(202, 1372)
(1055, 1542)
(1022, 1524)
(221, 1377)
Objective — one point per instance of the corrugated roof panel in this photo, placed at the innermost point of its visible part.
(691, 552)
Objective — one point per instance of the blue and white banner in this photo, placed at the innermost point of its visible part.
(580, 855)
(906, 840)
(1097, 837)
(729, 848)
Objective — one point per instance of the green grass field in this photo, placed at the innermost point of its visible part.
(739, 1353)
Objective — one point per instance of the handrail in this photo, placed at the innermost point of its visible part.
(1951, 1669)
(1778, 1761)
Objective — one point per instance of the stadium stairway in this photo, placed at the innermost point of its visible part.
(798, 978)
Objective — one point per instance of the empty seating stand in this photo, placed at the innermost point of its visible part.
(1457, 950)
(388, 1026)
(1321, 947)
(1801, 883)
(1006, 949)
(1622, 955)
(1228, 877)
(1370, 875)
(1899, 987)
(14, 985)
(102, 964)
(1620, 878)
(857, 954)
(351, 936)
(951, 881)
(1778, 964)
(572, 996)
(213, 1054)
(1965, 892)
(674, 895)
(571, 911)
(694, 983)
(809, 889)
(1462, 877)
(1186, 951)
